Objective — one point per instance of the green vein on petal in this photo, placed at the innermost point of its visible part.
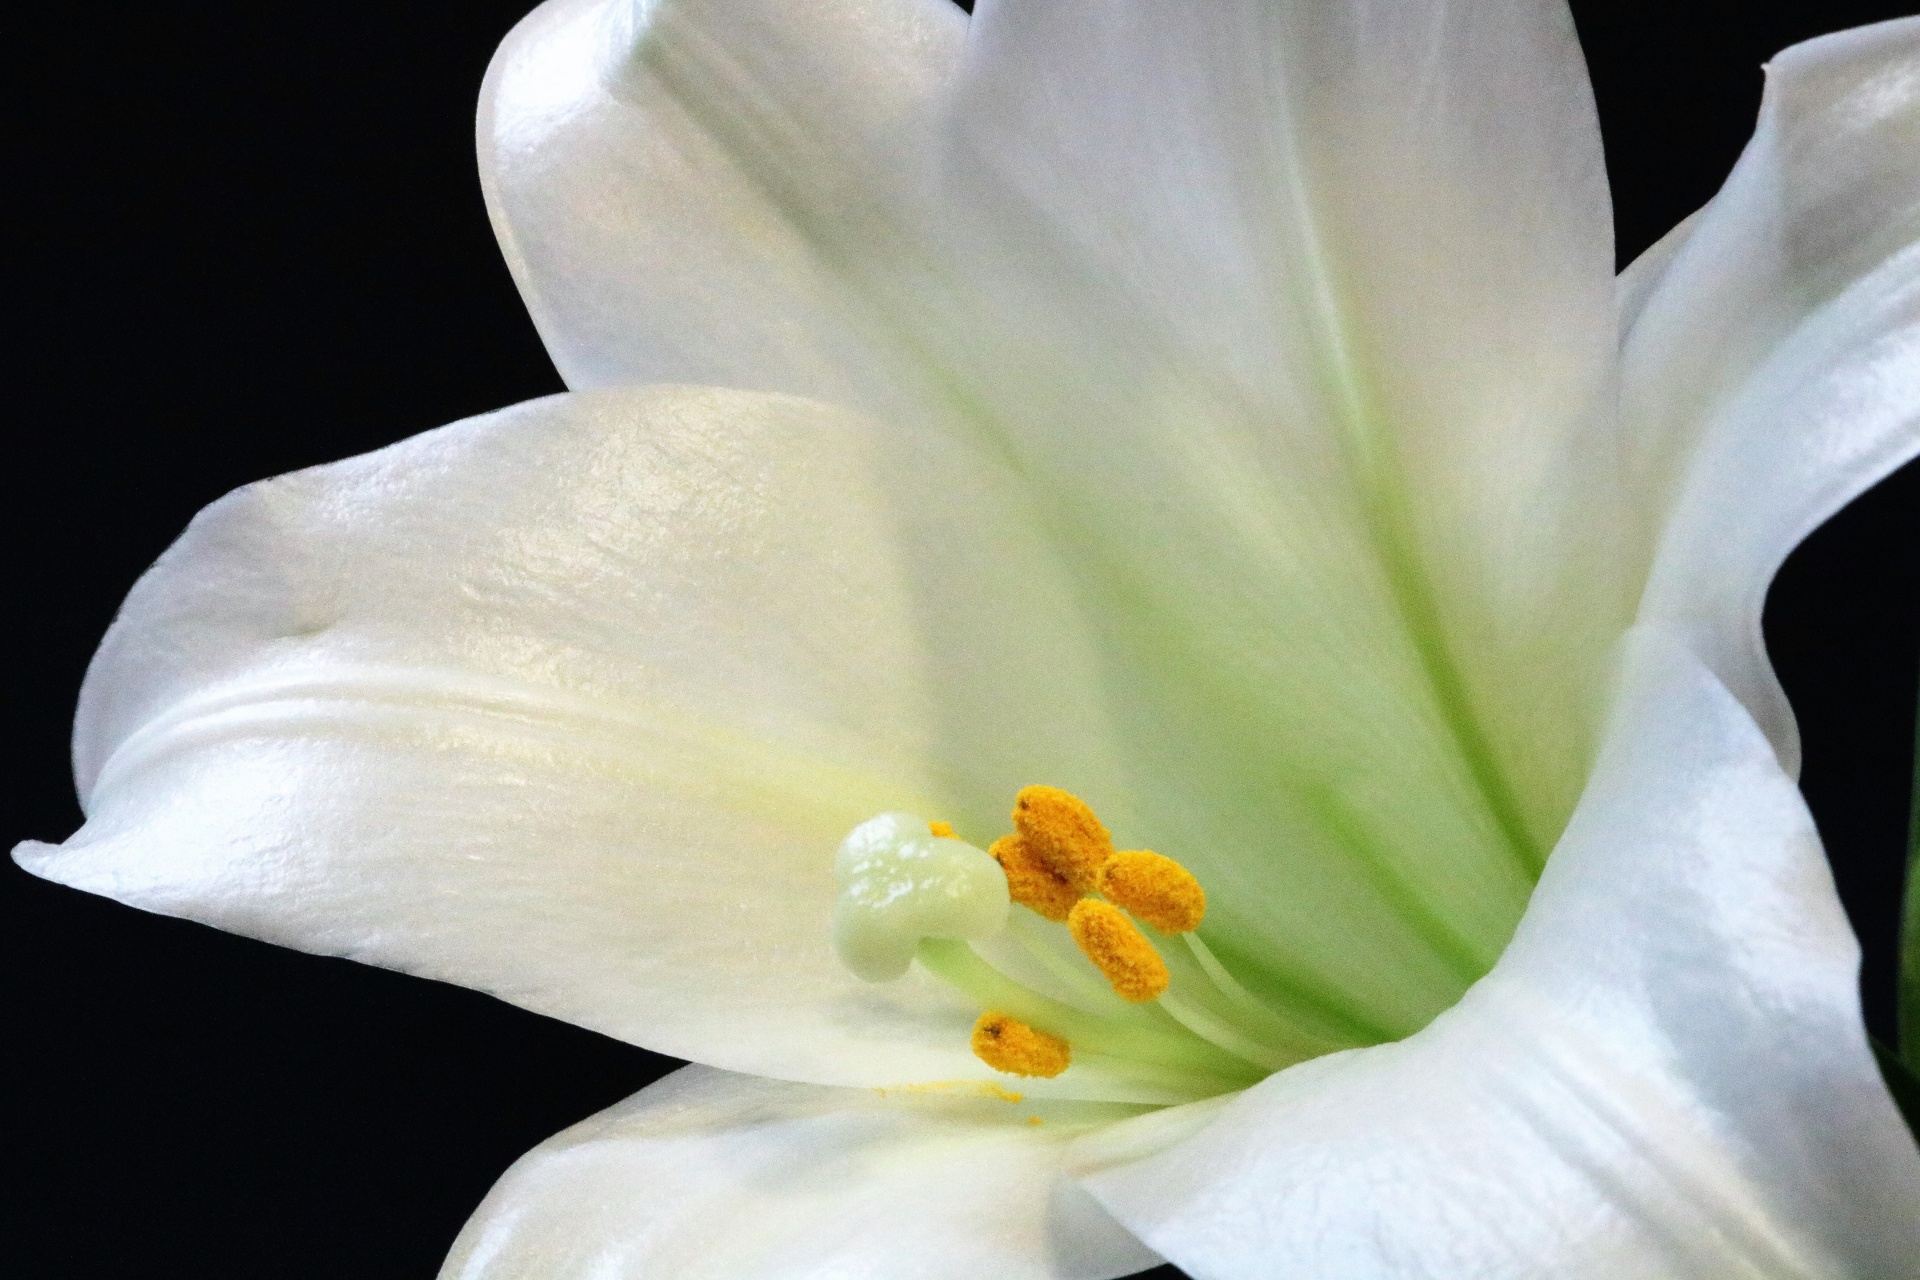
(1444, 904)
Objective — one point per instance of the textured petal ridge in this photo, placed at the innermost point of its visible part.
(711, 1176)
(574, 702)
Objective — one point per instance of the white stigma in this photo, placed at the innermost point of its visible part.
(900, 883)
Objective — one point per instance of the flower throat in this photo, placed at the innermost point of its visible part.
(1145, 1000)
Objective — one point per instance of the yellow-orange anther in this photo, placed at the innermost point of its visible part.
(1154, 888)
(941, 831)
(1062, 831)
(1009, 1045)
(1031, 882)
(1117, 946)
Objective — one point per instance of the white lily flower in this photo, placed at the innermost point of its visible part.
(1226, 412)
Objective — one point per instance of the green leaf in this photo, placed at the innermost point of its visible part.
(1901, 1083)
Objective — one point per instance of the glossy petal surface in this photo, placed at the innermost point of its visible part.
(712, 1176)
(573, 703)
(1249, 467)
(1292, 322)
(674, 182)
(1769, 371)
(1666, 1075)
(1306, 312)
(1296, 321)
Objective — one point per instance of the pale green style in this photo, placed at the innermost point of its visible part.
(1224, 411)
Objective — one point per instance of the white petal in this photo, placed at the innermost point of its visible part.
(1294, 319)
(573, 703)
(659, 174)
(712, 1176)
(1306, 312)
(1385, 218)
(1666, 1075)
(1771, 375)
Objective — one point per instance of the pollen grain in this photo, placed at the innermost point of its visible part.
(941, 830)
(1009, 1045)
(1121, 951)
(1154, 888)
(1031, 882)
(1062, 831)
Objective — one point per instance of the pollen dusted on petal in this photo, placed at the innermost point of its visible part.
(1009, 1045)
(1154, 888)
(1121, 951)
(1062, 831)
(941, 831)
(1031, 882)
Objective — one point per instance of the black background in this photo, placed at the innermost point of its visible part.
(249, 238)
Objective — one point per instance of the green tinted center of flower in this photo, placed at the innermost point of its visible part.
(1075, 952)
